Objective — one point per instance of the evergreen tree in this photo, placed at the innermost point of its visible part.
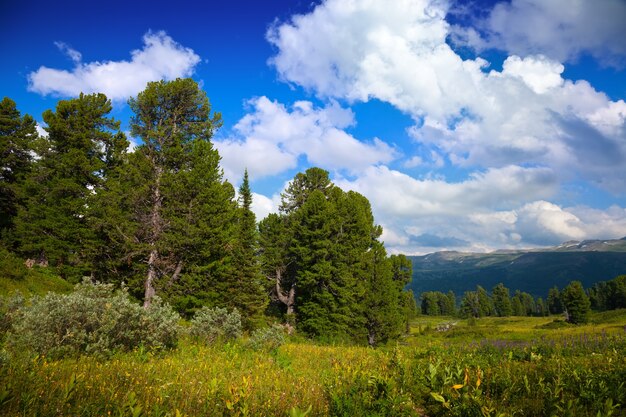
(501, 300)
(383, 312)
(470, 305)
(325, 264)
(17, 136)
(486, 303)
(517, 306)
(541, 309)
(451, 302)
(167, 211)
(430, 304)
(275, 239)
(53, 227)
(576, 303)
(247, 290)
(555, 305)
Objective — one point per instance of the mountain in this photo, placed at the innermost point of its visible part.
(534, 270)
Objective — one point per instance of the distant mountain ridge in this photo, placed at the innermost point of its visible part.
(533, 270)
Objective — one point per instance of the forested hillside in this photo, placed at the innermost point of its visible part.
(162, 221)
(532, 271)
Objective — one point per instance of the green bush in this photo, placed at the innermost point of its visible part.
(9, 312)
(212, 324)
(11, 266)
(94, 319)
(268, 338)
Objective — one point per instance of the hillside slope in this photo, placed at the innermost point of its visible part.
(534, 271)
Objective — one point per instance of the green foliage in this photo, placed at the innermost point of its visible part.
(609, 295)
(555, 304)
(268, 338)
(16, 133)
(167, 218)
(34, 281)
(11, 266)
(94, 319)
(9, 312)
(215, 324)
(501, 300)
(246, 287)
(18, 136)
(514, 369)
(328, 269)
(436, 303)
(576, 303)
(53, 225)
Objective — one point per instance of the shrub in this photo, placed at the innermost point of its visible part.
(11, 266)
(9, 312)
(211, 324)
(94, 319)
(268, 338)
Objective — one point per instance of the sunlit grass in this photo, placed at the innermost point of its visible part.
(517, 367)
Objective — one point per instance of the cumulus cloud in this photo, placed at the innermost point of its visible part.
(499, 208)
(561, 29)
(160, 58)
(397, 52)
(272, 137)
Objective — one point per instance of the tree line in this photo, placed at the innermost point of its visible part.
(573, 301)
(161, 220)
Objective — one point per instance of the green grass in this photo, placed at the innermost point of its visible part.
(486, 367)
(36, 281)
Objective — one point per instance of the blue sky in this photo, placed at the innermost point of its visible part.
(469, 125)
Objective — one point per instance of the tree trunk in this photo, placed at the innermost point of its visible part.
(290, 299)
(371, 338)
(155, 226)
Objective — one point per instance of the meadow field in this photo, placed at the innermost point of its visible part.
(445, 367)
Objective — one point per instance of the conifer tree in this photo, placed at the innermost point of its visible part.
(555, 305)
(53, 227)
(501, 300)
(576, 303)
(168, 209)
(325, 264)
(17, 136)
(246, 288)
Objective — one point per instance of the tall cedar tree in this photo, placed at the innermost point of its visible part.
(83, 146)
(246, 290)
(326, 266)
(167, 211)
(17, 137)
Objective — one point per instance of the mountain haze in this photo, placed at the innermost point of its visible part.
(534, 270)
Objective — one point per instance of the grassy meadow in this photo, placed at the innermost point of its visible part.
(444, 367)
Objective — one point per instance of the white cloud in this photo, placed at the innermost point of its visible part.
(537, 72)
(397, 52)
(72, 53)
(397, 195)
(272, 137)
(561, 29)
(160, 58)
(500, 208)
(262, 205)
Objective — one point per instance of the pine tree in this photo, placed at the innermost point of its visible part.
(501, 300)
(246, 289)
(17, 137)
(384, 316)
(576, 303)
(275, 240)
(167, 210)
(555, 305)
(53, 227)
